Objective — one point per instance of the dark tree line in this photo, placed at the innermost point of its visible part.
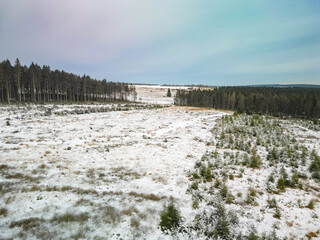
(41, 84)
(295, 102)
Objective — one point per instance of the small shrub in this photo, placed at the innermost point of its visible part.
(195, 204)
(217, 183)
(208, 175)
(316, 175)
(224, 191)
(281, 184)
(315, 166)
(277, 214)
(255, 161)
(252, 236)
(170, 218)
(252, 193)
(311, 204)
(194, 186)
(230, 198)
(272, 203)
(3, 212)
(195, 175)
(222, 228)
(295, 180)
(271, 178)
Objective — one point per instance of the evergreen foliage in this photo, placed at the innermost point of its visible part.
(41, 84)
(294, 102)
(170, 218)
(169, 93)
(315, 165)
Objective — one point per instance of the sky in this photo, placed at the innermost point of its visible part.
(209, 42)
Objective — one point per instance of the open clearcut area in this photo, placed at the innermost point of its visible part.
(120, 171)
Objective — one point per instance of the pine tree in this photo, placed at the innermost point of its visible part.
(169, 93)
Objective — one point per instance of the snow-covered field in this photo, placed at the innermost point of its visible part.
(156, 93)
(106, 172)
(104, 175)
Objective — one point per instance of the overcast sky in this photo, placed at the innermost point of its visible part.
(169, 41)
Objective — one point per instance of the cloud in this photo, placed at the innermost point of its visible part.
(88, 30)
(164, 40)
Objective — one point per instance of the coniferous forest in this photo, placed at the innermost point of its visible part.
(41, 84)
(275, 101)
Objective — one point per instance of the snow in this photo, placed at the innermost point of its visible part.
(114, 167)
(116, 159)
(156, 93)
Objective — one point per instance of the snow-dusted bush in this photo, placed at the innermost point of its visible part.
(170, 218)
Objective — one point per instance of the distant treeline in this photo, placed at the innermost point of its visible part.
(41, 84)
(295, 102)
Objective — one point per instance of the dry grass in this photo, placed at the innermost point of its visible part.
(4, 167)
(21, 176)
(70, 217)
(84, 202)
(27, 223)
(151, 196)
(111, 215)
(134, 222)
(130, 211)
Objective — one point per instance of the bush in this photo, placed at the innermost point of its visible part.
(294, 180)
(224, 191)
(271, 178)
(255, 161)
(252, 236)
(272, 203)
(311, 204)
(277, 214)
(208, 175)
(194, 186)
(3, 212)
(222, 228)
(195, 204)
(316, 175)
(230, 198)
(217, 183)
(281, 184)
(195, 175)
(252, 193)
(170, 218)
(222, 225)
(315, 166)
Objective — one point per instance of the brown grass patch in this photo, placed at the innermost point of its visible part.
(151, 196)
(27, 223)
(311, 235)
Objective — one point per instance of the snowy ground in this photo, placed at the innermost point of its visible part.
(244, 172)
(106, 172)
(103, 175)
(156, 93)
